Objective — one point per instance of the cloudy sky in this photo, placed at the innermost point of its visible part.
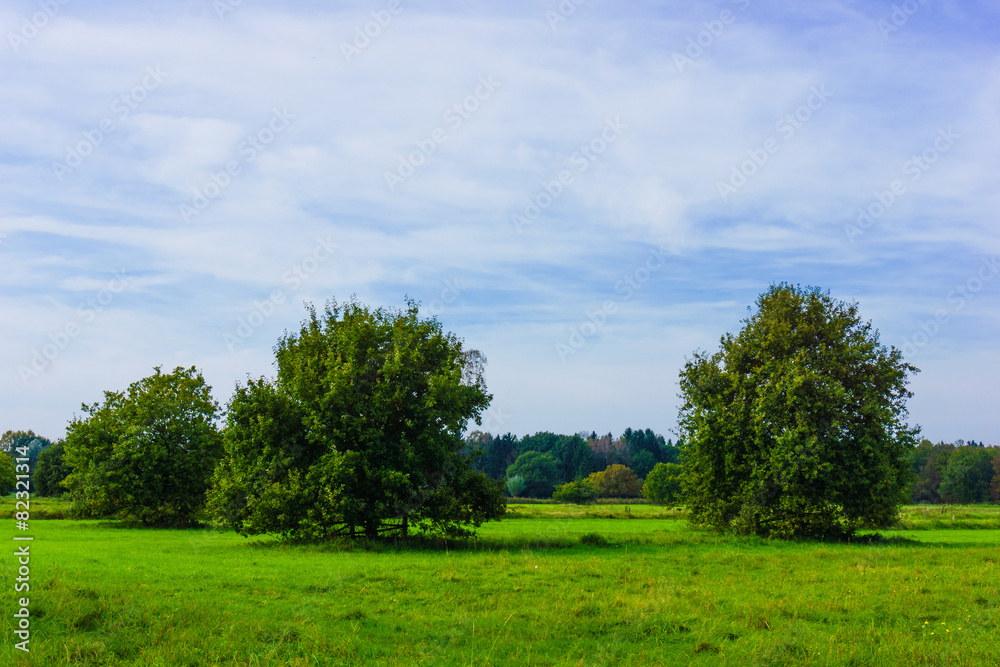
(586, 192)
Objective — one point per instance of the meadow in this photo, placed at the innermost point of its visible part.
(549, 585)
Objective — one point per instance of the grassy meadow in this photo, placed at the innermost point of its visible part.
(550, 585)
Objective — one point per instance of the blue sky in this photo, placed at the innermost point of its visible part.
(586, 192)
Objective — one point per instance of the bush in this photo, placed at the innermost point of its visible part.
(663, 484)
(582, 492)
(616, 481)
(515, 485)
(594, 540)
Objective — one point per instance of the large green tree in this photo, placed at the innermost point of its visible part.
(360, 434)
(795, 427)
(146, 453)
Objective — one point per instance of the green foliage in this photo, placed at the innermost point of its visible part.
(498, 453)
(995, 485)
(516, 485)
(540, 472)
(967, 477)
(795, 427)
(25, 444)
(643, 463)
(571, 453)
(952, 473)
(581, 492)
(616, 481)
(147, 453)
(361, 431)
(51, 471)
(663, 483)
(8, 476)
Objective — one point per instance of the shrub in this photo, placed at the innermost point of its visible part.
(582, 492)
(516, 485)
(616, 481)
(663, 484)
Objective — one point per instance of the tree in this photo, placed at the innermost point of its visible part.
(146, 453)
(515, 486)
(995, 485)
(51, 471)
(571, 453)
(968, 475)
(360, 433)
(497, 456)
(540, 472)
(616, 481)
(25, 444)
(795, 426)
(643, 463)
(581, 492)
(8, 476)
(663, 483)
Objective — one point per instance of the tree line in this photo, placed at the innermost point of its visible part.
(546, 460)
(961, 473)
(795, 427)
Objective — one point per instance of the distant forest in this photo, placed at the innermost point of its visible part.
(960, 472)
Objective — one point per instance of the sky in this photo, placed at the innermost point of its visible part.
(587, 192)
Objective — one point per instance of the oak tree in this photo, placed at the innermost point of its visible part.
(359, 434)
(795, 427)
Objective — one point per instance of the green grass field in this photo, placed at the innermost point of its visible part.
(551, 585)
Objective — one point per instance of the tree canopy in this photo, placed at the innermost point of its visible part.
(663, 483)
(795, 426)
(361, 432)
(147, 453)
(29, 445)
(52, 470)
(616, 481)
(540, 472)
